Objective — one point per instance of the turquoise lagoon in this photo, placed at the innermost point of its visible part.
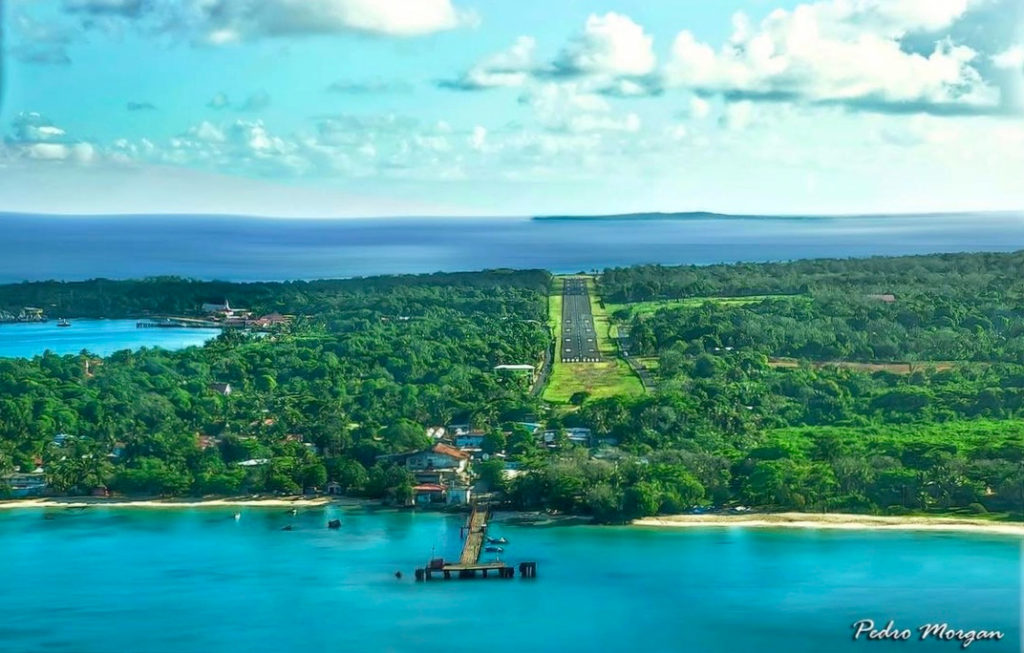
(100, 337)
(113, 580)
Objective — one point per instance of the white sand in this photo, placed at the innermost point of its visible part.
(835, 521)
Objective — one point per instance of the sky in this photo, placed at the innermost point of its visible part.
(319, 108)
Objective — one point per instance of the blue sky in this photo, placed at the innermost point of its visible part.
(498, 107)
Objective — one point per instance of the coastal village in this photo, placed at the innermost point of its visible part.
(25, 314)
(443, 472)
(214, 314)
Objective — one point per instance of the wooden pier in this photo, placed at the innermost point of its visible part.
(177, 323)
(469, 566)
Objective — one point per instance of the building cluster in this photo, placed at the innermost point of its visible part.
(225, 314)
(443, 471)
(22, 483)
(26, 314)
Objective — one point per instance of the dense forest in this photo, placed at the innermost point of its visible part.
(794, 400)
(882, 385)
(360, 373)
(105, 298)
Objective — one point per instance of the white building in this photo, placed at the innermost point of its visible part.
(575, 435)
(438, 458)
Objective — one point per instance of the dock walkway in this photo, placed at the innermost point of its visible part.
(475, 532)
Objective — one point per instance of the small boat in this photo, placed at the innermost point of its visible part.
(238, 516)
(334, 523)
(63, 322)
(287, 528)
(494, 549)
(497, 540)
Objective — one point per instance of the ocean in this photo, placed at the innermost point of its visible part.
(98, 337)
(108, 580)
(264, 249)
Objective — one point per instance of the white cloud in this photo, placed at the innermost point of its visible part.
(478, 139)
(31, 126)
(899, 17)
(46, 151)
(208, 132)
(677, 132)
(1010, 59)
(84, 153)
(699, 108)
(612, 52)
(38, 139)
(572, 107)
(626, 88)
(508, 68)
(553, 103)
(838, 50)
(612, 45)
(226, 21)
(589, 122)
(738, 115)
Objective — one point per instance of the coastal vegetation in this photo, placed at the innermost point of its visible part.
(880, 386)
(364, 366)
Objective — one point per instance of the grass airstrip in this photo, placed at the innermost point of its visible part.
(608, 378)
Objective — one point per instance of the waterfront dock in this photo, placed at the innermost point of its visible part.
(177, 323)
(474, 534)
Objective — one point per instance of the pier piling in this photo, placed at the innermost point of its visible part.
(474, 534)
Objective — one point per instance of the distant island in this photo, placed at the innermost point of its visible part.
(708, 215)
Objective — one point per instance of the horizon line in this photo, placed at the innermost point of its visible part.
(536, 216)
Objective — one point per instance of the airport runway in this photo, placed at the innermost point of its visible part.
(579, 338)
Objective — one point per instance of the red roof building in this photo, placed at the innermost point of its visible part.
(448, 450)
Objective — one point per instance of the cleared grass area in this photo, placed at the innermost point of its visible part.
(606, 379)
(650, 362)
(649, 308)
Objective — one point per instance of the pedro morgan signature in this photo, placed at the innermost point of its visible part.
(865, 629)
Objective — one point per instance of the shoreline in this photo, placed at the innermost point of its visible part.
(787, 520)
(97, 502)
(835, 521)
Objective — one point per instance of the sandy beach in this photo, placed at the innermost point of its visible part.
(835, 521)
(237, 502)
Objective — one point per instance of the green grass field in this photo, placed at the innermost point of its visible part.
(649, 308)
(607, 379)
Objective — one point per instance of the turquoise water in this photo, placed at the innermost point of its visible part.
(100, 337)
(106, 580)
